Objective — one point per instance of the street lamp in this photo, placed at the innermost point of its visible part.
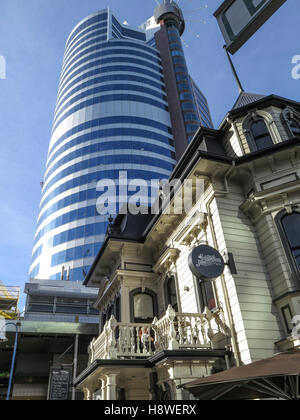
(13, 358)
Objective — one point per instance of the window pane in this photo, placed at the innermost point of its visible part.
(295, 127)
(264, 142)
(172, 295)
(259, 128)
(210, 296)
(143, 306)
(261, 135)
(297, 258)
(291, 226)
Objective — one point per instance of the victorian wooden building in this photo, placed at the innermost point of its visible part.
(160, 325)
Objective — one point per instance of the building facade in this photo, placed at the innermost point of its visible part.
(162, 326)
(53, 335)
(125, 103)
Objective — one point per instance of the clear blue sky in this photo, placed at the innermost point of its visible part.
(32, 38)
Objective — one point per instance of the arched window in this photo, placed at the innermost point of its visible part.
(171, 293)
(290, 224)
(260, 134)
(294, 126)
(143, 304)
(291, 120)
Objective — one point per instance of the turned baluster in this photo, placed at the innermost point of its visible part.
(203, 331)
(190, 331)
(154, 329)
(122, 339)
(138, 340)
(132, 340)
(180, 330)
(196, 331)
(184, 330)
(145, 340)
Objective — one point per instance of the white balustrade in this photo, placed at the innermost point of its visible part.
(173, 331)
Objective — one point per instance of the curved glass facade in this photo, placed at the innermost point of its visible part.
(111, 115)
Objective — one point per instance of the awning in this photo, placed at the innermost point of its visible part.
(276, 377)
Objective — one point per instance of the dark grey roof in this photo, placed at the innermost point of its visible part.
(247, 99)
(129, 226)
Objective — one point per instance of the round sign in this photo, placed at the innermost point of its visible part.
(206, 263)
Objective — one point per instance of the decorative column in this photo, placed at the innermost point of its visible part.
(88, 395)
(111, 386)
(103, 388)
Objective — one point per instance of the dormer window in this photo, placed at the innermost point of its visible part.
(260, 131)
(295, 127)
(291, 121)
(260, 134)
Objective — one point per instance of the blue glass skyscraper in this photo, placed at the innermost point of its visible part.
(119, 95)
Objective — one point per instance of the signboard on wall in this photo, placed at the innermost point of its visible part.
(240, 19)
(206, 263)
(59, 385)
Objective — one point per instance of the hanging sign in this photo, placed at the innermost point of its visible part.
(206, 263)
(240, 19)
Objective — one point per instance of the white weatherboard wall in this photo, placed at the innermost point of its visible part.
(255, 317)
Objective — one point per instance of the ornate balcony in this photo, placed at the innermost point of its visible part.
(172, 332)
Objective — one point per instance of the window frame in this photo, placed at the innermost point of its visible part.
(168, 278)
(256, 138)
(287, 115)
(287, 308)
(285, 243)
(200, 298)
(255, 116)
(145, 291)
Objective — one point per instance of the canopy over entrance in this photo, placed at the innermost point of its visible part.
(276, 377)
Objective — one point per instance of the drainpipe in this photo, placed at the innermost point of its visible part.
(12, 369)
(177, 288)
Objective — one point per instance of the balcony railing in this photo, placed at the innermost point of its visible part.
(173, 331)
